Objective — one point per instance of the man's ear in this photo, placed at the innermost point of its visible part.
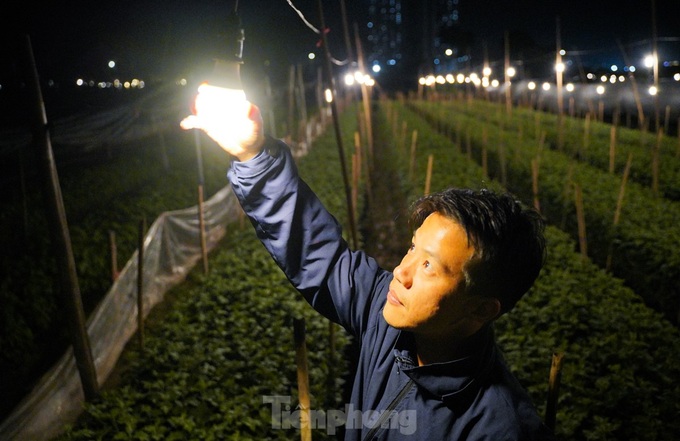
(486, 309)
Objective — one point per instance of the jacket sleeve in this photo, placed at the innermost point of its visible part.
(306, 241)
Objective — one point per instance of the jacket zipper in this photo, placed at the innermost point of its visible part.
(388, 412)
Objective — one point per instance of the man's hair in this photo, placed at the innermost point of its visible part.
(507, 237)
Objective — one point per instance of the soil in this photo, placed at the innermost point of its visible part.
(384, 223)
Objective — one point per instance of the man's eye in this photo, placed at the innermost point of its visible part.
(427, 264)
(412, 247)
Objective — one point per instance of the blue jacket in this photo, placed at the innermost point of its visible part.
(473, 398)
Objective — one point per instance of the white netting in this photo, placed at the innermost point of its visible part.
(171, 249)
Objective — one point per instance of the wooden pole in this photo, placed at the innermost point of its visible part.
(302, 379)
(140, 282)
(336, 125)
(302, 107)
(619, 206)
(365, 96)
(612, 149)
(634, 86)
(69, 288)
(201, 230)
(508, 93)
(199, 156)
(428, 176)
(560, 92)
(412, 161)
(553, 390)
(365, 166)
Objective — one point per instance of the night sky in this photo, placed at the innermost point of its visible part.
(72, 38)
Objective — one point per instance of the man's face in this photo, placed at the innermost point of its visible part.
(426, 295)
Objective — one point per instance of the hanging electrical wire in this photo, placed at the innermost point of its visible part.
(316, 31)
(302, 16)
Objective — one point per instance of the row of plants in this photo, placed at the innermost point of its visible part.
(640, 248)
(588, 140)
(221, 345)
(100, 195)
(621, 362)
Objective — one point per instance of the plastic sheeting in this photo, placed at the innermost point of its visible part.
(171, 249)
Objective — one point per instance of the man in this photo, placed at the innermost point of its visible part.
(428, 368)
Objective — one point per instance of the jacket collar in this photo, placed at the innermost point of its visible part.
(459, 379)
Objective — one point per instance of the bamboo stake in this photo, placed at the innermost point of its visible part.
(199, 157)
(302, 107)
(428, 176)
(201, 230)
(581, 220)
(365, 98)
(553, 390)
(336, 125)
(633, 83)
(302, 379)
(113, 252)
(508, 92)
(412, 158)
(619, 206)
(55, 213)
(541, 144)
(366, 167)
(612, 149)
(140, 282)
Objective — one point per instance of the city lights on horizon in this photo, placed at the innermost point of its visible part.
(649, 62)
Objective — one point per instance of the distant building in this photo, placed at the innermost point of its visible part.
(407, 38)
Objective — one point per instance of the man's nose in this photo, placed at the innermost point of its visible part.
(403, 273)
